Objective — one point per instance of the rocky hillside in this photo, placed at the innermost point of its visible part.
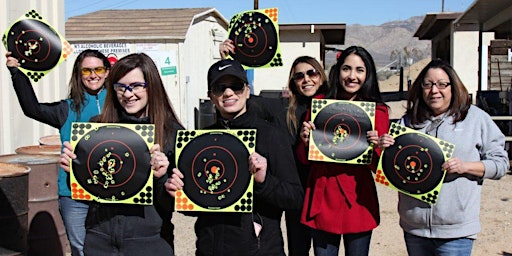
(387, 41)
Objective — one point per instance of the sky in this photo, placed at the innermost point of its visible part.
(350, 12)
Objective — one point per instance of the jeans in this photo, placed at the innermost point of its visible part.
(423, 246)
(73, 215)
(328, 244)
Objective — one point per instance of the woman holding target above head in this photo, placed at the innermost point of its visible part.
(135, 94)
(439, 105)
(276, 184)
(341, 199)
(86, 97)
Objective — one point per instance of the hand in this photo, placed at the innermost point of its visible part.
(306, 130)
(66, 156)
(159, 162)
(258, 167)
(11, 61)
(226, 48)
(373, 137)
(454, 165)
(385, 141)
(175, 182)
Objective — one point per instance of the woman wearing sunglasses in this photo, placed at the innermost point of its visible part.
(341, 199)
(276, 185)
(86, 97)
(135, 94)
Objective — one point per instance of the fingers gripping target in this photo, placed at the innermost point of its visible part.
(255, 35)
(36, 45)
(413, 164)
(216, 173)
(340, 134)
(113, 163)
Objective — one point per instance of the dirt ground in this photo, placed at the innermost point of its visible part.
(494, 239)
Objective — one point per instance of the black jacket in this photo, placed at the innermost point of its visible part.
(123, 224)
(233, 233)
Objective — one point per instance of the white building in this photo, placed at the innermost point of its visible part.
(183, 43)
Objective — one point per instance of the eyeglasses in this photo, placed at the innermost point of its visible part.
(96, 70)
(133, 87)
(440, 85)
(299, 76)
(218, 89)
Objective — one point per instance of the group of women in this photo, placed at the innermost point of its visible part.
(340, 200)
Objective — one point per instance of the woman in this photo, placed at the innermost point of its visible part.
(135, 94)
(341, 199)
(306, 81)
(439, 105)
(276, 184)
(86, 97)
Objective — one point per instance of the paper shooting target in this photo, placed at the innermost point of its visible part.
(36, 45)
(113, 163)
(255, 35)
(215, 165)
(413, 164)
(340, 134)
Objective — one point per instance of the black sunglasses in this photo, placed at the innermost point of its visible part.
(312, 73)
(218, 89)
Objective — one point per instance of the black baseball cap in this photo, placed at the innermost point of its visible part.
(226, 67)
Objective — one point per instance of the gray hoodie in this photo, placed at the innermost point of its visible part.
(456, 213)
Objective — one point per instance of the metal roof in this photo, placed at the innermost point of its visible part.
(334, 33)
(433, 23)
(491, 15)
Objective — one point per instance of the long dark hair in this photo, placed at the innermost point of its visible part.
(370, 88)
(159, 107)
(417, 109)
(296, 96)
(77, 88)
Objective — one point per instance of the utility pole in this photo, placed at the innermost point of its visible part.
(256, 4)
(442, 7)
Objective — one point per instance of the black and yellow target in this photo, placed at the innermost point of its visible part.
(113, 163)
(413, 164)
(215, 165)
(255, 35)
(340, 134)
(36, 44)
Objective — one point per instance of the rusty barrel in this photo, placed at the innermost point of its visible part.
(13, 208)
(50, 140)
(46, 233)
(39, 150)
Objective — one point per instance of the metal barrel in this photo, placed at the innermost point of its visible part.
(46, 233)
(39, 150)
(50, 140)
(13, 208)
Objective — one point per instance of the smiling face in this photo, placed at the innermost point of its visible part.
(133, 103)
(352, 76)
(229, 103)
(93, 82)
(307, 85)
(438, 100)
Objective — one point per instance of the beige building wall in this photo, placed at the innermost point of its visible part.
(465, 57)
(17, 130)
(200, 51)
